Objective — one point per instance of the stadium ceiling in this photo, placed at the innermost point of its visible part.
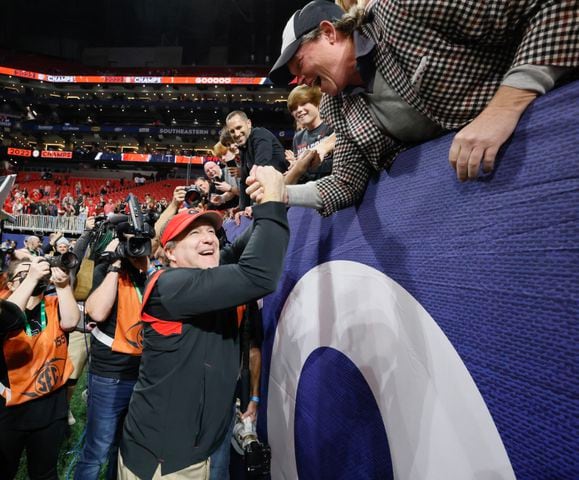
(199, 32)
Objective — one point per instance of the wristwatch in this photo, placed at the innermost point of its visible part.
(114, 269)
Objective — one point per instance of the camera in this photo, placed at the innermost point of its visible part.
(192, 194)
(6, 248)
(66, 261)
(257, 455)
(134, 232)
(134, 247)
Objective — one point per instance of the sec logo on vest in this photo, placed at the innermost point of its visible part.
(135, 335)
(47, 377)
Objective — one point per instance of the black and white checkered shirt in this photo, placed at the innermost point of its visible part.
(446, 59)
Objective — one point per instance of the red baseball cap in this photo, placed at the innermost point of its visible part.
(182, 220)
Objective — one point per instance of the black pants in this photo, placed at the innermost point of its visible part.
(42, 449)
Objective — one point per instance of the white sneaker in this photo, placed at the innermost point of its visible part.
(71, 419)
(84, 395)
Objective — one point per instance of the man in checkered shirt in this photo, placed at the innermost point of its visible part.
(403, 72)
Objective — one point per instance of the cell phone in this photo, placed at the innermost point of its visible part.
(231, 163)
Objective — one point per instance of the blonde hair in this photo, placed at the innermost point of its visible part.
(219, 149)
(353, 19)
(303, 94)
(347, 4)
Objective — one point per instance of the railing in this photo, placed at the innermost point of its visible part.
(47, 223)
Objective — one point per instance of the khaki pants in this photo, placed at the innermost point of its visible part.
(198, 471)
(77, 352)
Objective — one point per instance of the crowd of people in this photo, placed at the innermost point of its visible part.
(192, 258)
(165, 318)
(51, 199)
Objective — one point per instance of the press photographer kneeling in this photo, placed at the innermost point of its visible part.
(34, 367)
(114, 304)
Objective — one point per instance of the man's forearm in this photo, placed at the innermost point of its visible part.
(22, 254)
(254, 370)
(167, 214)
(255, 275)
(82, 244)
(68, 308)
(99, 304)
(513, 99)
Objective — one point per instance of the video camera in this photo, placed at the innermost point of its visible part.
(257, 455)
(134, 232)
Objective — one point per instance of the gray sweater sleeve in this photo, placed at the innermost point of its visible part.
(306, 195)
(538, 78)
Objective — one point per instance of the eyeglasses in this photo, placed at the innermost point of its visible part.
(20, 276)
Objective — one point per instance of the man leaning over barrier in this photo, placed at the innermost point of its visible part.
(400, 73)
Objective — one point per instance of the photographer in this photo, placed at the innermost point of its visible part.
(32, 248)
(114, 305)
(181, 406)
(223, 183)
(50, 247)
(34, 367)
(62, 246)
(205, 191)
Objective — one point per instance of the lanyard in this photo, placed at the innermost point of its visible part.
(139, 294)
(42, 320)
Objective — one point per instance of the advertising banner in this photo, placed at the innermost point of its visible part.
(144, 80)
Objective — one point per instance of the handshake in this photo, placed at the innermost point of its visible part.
(266, 184)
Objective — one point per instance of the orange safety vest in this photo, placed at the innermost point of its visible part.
(36, 365)
(129, 330)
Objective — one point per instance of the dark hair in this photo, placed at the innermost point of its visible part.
(225, 137)
(237, 113)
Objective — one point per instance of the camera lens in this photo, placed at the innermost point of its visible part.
(192, 195)
(68, 261)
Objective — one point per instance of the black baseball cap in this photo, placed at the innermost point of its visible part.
(301, 22)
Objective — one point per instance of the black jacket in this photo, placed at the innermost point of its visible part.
(181, 405)
(262, 148)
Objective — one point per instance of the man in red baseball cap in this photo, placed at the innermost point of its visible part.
(181, 405)
(199, 252)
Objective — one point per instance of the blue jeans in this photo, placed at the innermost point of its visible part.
(219, 465)
(108, 402)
